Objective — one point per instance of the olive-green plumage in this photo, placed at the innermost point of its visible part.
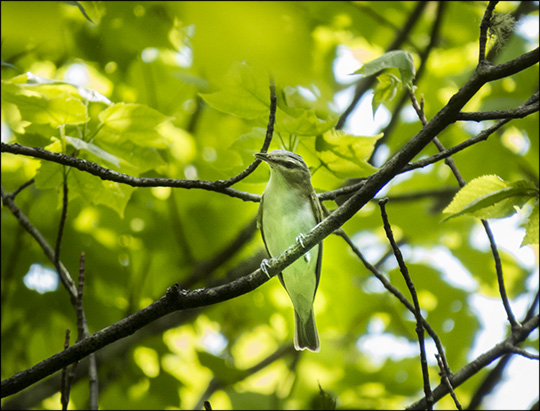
(289, 209)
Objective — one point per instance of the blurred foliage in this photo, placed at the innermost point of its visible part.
(180, 90)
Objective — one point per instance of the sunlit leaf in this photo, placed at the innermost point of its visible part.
(400, 59)
(531, 236)
(246, 93)
(132, 122)
(53, 106)
(490, 197)
(92, 148)
(346, 155)
(385, 91)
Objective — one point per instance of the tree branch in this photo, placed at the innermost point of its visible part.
(386, 284)
(504, 347)
(484, 26)
(111, 175)
(417, 312)
(65, 277)
(519, 112)
(267, 140)
(461, 181)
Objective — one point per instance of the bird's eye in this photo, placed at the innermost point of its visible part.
(289, 164)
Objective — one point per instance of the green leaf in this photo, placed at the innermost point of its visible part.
(306, 124)
(295, 115)
(400, 59)
(74, 90)
(48, 175)
(52, 105)
(385, 90)
(531, 235)
(97, 191)
(132, 122)
(250, 143)
(490, 197)
(246, 93)
(346, 155)
(93, 149)
(81, 184)
(134, 159)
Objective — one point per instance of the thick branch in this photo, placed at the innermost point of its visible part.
(174, 299)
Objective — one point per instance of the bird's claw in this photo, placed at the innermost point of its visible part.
(264, 267)
(300, 239)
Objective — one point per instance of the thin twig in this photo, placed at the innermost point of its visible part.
(366, 83)
(79, 306)
(386, 284)
(484, 26)
(500, 277)
(524, 353)
(65, 277)
(15, 192)
(62, 222)
(446, 381)
(268, 139)
(483, 135)
(519, 112)
(64, 388)
(461, 181)
(82, 333)
(495, 374)
(483, 360)
(417, 312)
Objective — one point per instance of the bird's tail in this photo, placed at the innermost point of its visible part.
(305, 333)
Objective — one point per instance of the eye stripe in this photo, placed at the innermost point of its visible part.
(289, 164)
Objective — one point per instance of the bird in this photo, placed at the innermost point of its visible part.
(289, 209)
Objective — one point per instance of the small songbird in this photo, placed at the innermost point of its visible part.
(289, 209)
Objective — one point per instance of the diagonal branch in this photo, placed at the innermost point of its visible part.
(63, 273)
(417, 312)
(502, 348)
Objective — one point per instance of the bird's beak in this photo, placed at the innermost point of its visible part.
(262, 156)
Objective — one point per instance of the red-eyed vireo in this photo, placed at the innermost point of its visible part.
(289, 209)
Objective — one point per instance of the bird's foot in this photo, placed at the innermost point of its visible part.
(264, 267)
(300, 239)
